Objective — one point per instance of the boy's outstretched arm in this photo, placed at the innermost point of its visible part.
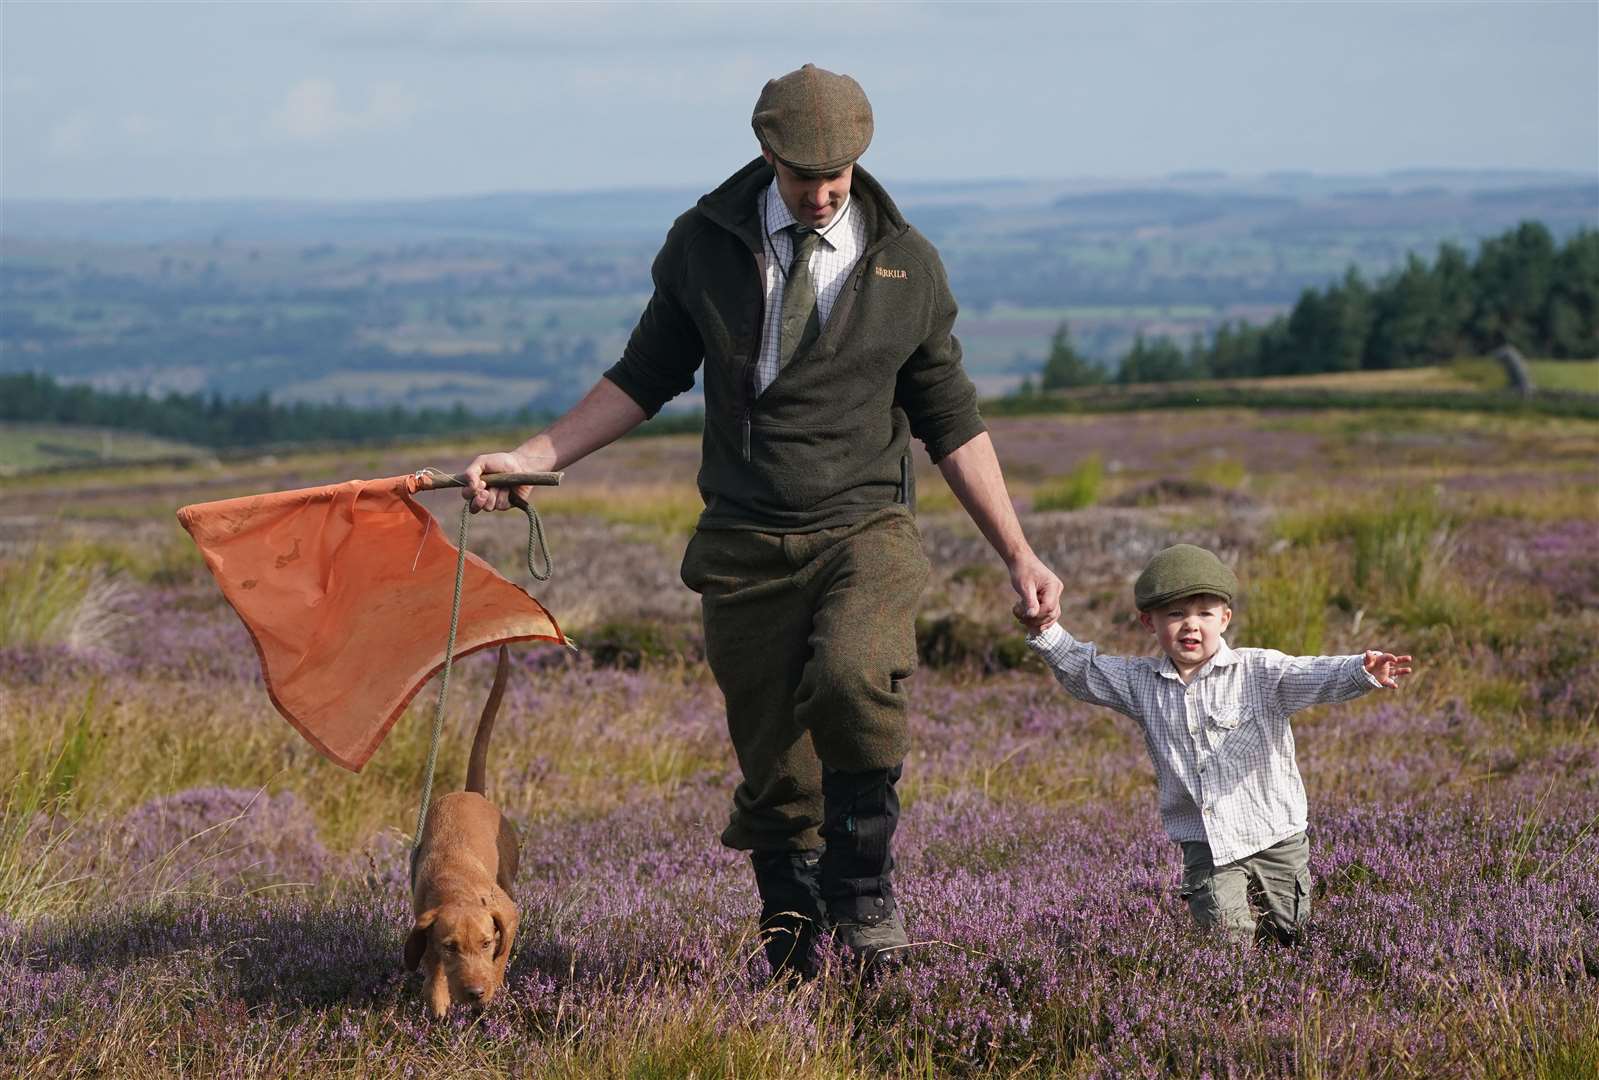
(1078, 667)
(1385, 667)
(1303, 681)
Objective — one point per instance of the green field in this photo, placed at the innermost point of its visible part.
(31, 447)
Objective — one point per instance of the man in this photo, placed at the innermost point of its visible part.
(824, 322)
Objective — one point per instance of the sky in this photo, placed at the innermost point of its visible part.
(388, 100)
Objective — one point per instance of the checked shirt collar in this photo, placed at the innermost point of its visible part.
(778, 218)
(1225, 657)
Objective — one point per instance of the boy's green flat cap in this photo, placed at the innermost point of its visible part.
(813, 120)
(1180, 571)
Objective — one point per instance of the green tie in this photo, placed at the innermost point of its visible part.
(800, 323)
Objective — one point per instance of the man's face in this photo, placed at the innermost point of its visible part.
(1189, 630)
(813, 200)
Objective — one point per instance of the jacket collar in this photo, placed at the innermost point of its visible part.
(736, 205)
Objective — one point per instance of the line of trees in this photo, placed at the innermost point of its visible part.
(211, 420)
(219, 423)
(1522, 289)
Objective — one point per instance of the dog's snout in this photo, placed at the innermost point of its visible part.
(473, 993)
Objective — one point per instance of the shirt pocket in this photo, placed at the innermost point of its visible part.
(1234, 730)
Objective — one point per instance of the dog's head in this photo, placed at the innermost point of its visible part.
(463, 945)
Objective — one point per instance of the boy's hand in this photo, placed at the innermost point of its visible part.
(1034, 624)
(1386, 668)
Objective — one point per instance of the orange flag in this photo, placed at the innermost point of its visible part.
(346, 592)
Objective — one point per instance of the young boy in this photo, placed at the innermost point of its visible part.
(1215, 720)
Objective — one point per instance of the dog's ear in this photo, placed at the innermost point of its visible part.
(505, 918)
(416, 942)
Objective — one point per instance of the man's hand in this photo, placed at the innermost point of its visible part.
(604, 415)
(1039, 591)
(1386, 668)
(483, 497)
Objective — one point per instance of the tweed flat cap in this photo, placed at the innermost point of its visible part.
(1180, 571)
(814, 121)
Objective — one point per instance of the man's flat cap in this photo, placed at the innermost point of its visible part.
(1180, 571)
(814, 121)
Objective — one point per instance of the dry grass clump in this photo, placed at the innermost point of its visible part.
(61, 596)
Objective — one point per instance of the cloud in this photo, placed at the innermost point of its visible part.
(70, 137)
(622, 32)
(138, 127)
(311, 111)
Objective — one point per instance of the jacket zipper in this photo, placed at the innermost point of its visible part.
(753, 358)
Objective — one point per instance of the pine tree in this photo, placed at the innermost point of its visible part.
(1066, 367)
(1152, 360)
(1512, 280)
(1571, 323)
(1405, 314)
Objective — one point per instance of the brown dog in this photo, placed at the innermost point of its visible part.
(461, 876)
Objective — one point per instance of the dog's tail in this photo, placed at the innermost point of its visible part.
(477, 764)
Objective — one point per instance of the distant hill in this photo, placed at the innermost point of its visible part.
(512, 300)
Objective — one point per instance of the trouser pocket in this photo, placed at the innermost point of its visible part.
(1196, 890)
(1302, 899)
(1281, 875)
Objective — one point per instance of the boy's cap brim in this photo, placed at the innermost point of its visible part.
(1181, 571)
(1184, 594)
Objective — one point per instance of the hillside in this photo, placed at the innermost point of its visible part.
(510, 300)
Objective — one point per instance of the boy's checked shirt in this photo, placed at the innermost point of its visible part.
(1222, 747)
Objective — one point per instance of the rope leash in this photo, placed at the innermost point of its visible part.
(535, 542)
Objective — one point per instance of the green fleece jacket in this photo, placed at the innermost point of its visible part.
(827, 443)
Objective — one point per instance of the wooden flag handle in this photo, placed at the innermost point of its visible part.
(430, 479)
(517, 479)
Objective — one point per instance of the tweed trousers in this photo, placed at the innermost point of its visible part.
(811, 637)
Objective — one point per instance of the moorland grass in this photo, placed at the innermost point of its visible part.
(1286, 605)
(190, 890)
(1388, 560)
(1076, 490)
(670, 509)
(40, 595)
(61, 594)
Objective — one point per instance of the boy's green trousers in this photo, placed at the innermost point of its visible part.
(1276, 881)
(810, 636)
